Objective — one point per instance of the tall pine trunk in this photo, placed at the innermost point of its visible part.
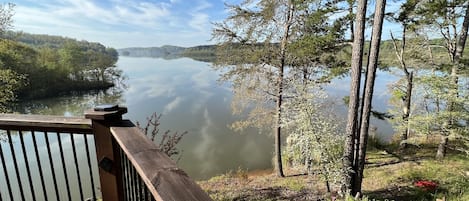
(367, 99)
(352, 116)
(350, 12)
(462, 38)
(461, 42)
(278, 128)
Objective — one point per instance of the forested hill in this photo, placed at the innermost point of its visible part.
(166, 51)
(43, 65)
(201, 53)
(208, 53)
(49, 41)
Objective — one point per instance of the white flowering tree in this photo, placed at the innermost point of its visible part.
(315, 140)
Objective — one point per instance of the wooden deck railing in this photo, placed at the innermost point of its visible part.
(53, 158)
(40, 158)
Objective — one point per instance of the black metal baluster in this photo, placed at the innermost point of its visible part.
(20, 185)
(26, 162)
(145, 192)
(52, 169)
(123, 172)
(5, 171)
(69, 195)
(140, 188)
(76, 166)
(134, 183)
(129, 178)
(41, 174)
(88, 159)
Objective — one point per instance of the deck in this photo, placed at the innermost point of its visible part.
(99, 156)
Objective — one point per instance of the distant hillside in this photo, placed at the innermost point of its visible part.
(49, 41)
(166, 51)
(204, 53)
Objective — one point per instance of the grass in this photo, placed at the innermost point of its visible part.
(261, 185)
(396, 181)
(389, 175)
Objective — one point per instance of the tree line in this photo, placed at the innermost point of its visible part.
(279, 55)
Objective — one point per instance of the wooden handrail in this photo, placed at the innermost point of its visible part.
(114, 138)
(45, 123)
(121, 142)
(160, 174)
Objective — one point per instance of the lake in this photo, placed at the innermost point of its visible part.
(189, 97)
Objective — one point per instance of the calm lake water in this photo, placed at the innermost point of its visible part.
(187, 94)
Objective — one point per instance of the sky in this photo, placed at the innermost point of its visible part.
(127, 23)
(122, 23)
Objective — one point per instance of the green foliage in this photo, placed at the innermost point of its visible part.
(261, 49)
(451, 175)
(434, 93)
(10, 82)
(417, 53)
(293, 184)
(206, 53)
(58, 68)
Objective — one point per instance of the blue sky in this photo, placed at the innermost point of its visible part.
(129, 23)
(122, 23)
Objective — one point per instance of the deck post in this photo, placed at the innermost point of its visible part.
(110, 175)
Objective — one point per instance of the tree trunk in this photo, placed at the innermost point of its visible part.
(461, 42)
(441, 153)
(352, 116)
(406, 109)
(278, 129)
(352, 31)
(462, 37)
(409, 79)
(371, 75)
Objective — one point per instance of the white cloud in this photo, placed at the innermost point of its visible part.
(205, 148)
(120, 13)
(200, 20)
(173, 105)
(118, 23)
(31, 17)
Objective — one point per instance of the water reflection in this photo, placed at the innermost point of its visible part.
(71, 105)
(188, 95)
(47, 167)
(340, 87)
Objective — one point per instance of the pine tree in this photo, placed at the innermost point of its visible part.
(263, 45)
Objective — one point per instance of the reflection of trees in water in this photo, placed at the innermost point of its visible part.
(73, 104)
(3, 136)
